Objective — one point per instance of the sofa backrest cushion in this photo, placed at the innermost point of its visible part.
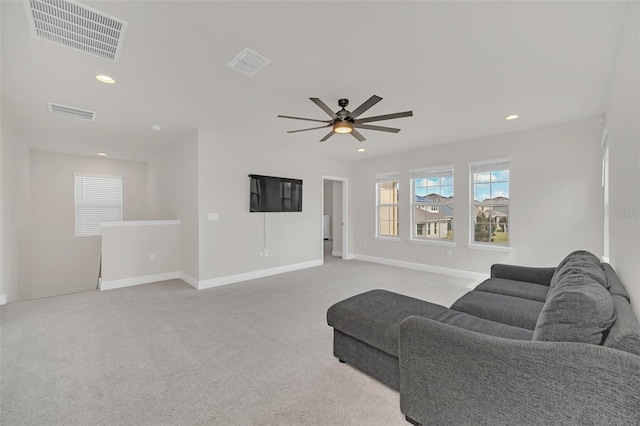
(625, 332)
(616, 288)
(580, 254)
(577, 309)
(587, 262)
(582, 267)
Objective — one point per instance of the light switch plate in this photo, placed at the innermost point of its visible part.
(212, 217)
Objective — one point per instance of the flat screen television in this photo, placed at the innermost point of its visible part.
(275, 194)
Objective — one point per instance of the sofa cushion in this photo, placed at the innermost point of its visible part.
(616, 288)
(584, 260)
(479, 325)
(625, 332)
(520, 289)
(374, 317)
(578, 309)
(581, 255)
(510, 310)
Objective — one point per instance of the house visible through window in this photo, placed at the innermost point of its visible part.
(97, 199)
(490, 202)
(432, 203)
(387, 205)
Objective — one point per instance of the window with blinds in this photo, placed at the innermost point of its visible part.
(387, 186)
(432, 203)
(97, 199)
(490, 202)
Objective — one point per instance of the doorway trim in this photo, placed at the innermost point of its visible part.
(345, 214)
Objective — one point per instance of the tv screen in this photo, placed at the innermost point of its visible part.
(275, 194)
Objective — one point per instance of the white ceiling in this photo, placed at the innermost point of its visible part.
(460, 66)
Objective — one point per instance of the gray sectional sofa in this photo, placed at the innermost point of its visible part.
(528, 346)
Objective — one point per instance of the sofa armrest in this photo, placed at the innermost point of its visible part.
(522, 273)
(452, 376)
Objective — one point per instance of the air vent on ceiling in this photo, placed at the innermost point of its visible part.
(72, 112)
(248, 62)
(76, 26)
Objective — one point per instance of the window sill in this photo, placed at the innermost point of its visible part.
(387, 238)
(488, 247)
(440, 243)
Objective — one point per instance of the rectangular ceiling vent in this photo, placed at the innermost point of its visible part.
(248, 62)
(72, 112)
(74, 25)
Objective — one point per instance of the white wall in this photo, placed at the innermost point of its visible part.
(622, 118)
(15, 214)
(60, 262)
(139, 252)
(232, 245)
(173, 194)
(556, 197)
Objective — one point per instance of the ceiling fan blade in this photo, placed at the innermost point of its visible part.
(356, 134)
(306, 119)
(328, 136)
(365, 106)
(324, 107)
(384, 117)
(381, 128)
(311, 128)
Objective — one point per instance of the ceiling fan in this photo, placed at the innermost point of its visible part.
(345, 121)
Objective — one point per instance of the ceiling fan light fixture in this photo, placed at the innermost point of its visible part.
(343, 127)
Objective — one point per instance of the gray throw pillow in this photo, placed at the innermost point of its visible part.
(578, 309)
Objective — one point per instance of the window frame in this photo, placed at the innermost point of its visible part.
(382, 178)
(490, 166)
(86, 226)
(443, 171)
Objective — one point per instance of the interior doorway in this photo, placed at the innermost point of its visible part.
(334, 218)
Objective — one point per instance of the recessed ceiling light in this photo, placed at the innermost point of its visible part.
(361, 150)
(105, 79)
(512, 117)
(102, 154)
(156, 127)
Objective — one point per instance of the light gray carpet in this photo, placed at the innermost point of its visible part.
(251, 353)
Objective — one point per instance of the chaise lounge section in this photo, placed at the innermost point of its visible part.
(536, 346)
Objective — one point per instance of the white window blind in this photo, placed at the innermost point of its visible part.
(97, 199)
(434, 173)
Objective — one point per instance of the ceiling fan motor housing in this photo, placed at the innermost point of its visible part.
(342, 103)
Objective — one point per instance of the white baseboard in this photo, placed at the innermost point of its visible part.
(128, 282)
(336, 253)
(3, 299)
(478, 277)
(189, 280)
(230, 279)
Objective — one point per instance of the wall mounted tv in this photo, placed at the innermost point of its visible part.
(275, 194)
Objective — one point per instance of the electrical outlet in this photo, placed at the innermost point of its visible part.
(261, 254)
(152, 257)
(449, 252)
(266, 253)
